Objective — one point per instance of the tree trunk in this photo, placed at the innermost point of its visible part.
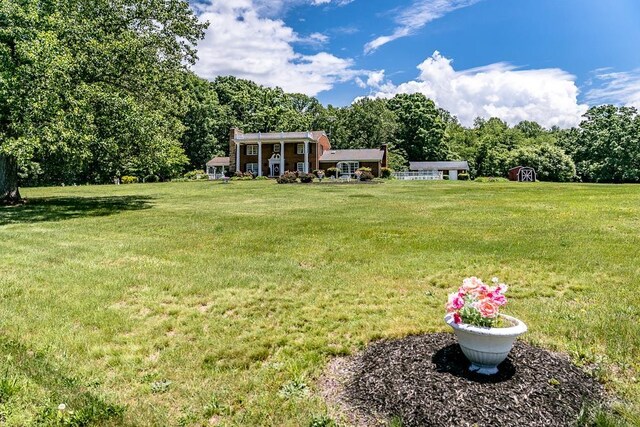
(9, 193)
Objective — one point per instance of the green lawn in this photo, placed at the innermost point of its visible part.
(239, 294)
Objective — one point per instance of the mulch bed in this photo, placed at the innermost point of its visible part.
(424, 381)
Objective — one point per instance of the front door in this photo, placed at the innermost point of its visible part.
(275, 169)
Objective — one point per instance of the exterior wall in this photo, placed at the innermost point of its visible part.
(291, 158)
(375, 166)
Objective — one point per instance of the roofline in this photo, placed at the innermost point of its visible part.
(350, 160)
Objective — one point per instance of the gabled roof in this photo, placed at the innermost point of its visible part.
(363, 155)
(438, 166)
(278, 136)
(219, 161)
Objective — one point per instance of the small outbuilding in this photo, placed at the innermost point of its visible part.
(217, 166)
(522, 174)
(451, 169)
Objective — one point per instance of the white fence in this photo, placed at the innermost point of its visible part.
(419, 175)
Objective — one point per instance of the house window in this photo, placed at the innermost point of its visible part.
(211, 170)
(300, 167)
(252, 150)
(276, 148)
(253, 168)
(348, 168)
(300, 149)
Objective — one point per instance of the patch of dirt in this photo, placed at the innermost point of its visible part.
(424, 380)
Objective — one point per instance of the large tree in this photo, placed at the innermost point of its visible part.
(91, 89)
(607, 147)
(420, 128)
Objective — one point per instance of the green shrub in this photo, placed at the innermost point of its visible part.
(490, 179)
(151, 178)
(445, 177)
(196, 174)
(261, 178)
(385, 173)
(332, 172)
(288, 178)
(306, 178)
(319, 172)
(127, 179)
(365, 176)
(364, 169)
(463, 177)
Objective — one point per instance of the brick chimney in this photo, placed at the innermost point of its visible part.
(385, 155)
(232, 148)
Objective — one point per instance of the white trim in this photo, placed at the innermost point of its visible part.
(259, 158)
(350, 169)
(251, 167)
(306, 157)
(250, 150)
(237, 157)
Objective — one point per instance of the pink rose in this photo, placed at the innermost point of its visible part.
(487, 308)
(471, 283)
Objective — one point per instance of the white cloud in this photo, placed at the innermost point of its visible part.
(619, 88)
(242, 43)
(547, 96)
(416, 16)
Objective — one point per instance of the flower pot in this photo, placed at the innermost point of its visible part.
(486, 347)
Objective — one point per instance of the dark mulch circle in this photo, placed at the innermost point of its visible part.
(424, 381)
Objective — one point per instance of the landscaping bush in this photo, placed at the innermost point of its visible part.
(365, 176)
(332, 172)
(151, 178)
(490, 179)
(261, 178)
(196, 174)
(445, 177)
(306, 178)
(364, 169)
(288, 178)
(127, 179)
(463, 177)
(385, 173)
(319, 172)
(238, 174)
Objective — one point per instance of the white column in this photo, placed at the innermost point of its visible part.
(281, 157)
(306, 157)
(259, 158)
(237, 157)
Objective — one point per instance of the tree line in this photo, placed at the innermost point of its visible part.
(91, 91)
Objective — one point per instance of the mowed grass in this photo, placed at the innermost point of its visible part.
(204, 303)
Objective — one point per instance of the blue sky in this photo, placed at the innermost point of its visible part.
(544, 60)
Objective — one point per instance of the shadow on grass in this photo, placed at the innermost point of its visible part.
(84, 407)
(62, 208)
(450, 359)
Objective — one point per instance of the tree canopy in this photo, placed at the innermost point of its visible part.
(91, 91)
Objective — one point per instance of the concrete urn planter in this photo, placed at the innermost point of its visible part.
(486, 347)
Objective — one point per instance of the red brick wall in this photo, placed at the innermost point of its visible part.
(291, 157)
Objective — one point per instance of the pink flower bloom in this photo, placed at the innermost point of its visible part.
(471, 283)
(456, 302)
(456, 318)
(499, 299)
(487, 308)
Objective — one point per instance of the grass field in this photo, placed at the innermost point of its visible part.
(202, 303)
